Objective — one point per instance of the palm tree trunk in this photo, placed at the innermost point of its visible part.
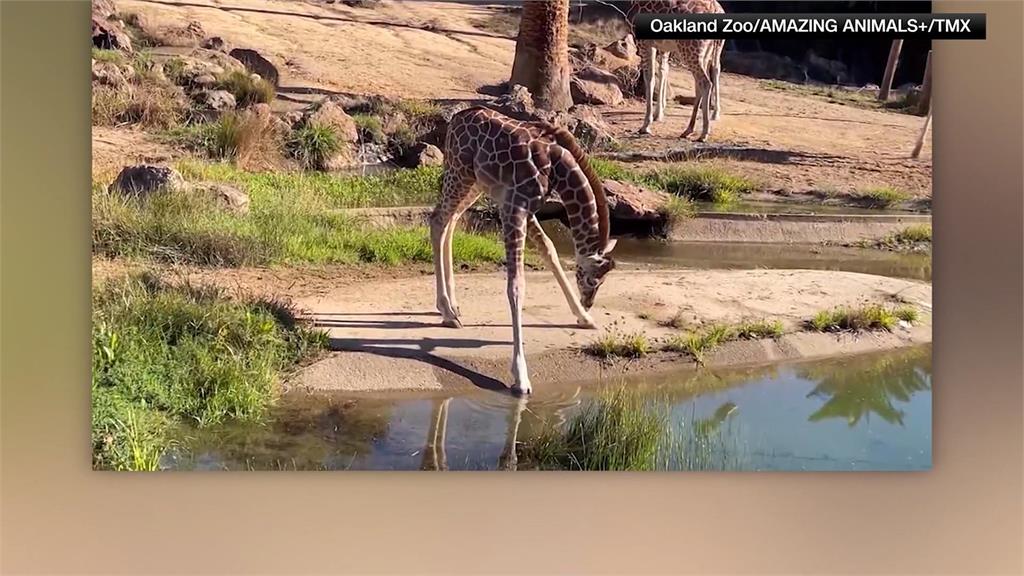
(542, 53)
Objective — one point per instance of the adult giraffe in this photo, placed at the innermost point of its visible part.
(703, 58)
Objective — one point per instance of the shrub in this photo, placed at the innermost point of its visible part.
(313, 146)
(246, 89)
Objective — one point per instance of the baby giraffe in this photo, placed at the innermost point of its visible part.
(519, 164)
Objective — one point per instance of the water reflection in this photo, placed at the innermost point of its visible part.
(812, 416)
(852, 395)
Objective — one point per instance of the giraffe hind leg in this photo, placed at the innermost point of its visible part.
(457, 184)
(446, 247)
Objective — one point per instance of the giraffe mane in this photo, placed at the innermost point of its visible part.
(566, 140)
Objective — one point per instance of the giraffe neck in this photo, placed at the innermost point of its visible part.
(581, 210)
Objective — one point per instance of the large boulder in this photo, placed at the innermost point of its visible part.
(329, 113)
(422, 154)
(141, 180)
(631, 203)
(257, 64)
(595, 86)
(590, 129)
(631, 209)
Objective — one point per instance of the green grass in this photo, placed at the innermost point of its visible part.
(618, 431)
(280, 228)
(882, 196)
(112, 56)
(675, 210)
(906, 313)
(622, 430)
(699, 343)
(704, 183)
(165, 355)
(913, 234)
(612, 344)
(246, 90)
(313, 146)
(415, 187)
(869, 317)
(370, 128)
(709, 184)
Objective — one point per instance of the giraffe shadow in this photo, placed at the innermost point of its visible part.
(425, 353)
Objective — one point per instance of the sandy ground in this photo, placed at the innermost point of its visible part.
(389, 336)
(440, 50)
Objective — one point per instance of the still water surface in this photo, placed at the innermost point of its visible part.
(870, 412)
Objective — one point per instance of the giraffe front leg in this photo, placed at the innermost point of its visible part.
(515, 232)
(648, 73)
(547, 252)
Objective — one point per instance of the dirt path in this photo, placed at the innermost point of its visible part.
(442, 50)
(390, 337)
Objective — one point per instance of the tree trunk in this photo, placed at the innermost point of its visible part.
(924, 102)
(542, 53)
(890, 69)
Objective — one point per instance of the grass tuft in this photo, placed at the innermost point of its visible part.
(869, 317)
(618, 431)
(913, 234)
(699, 343)
(170, 354)
(612, 344)
(313, 146)
(883, 196)
(704, 183)
(247, 90)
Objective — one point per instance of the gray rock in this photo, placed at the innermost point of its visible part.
(225, 195)
(257, 64)
(423, 154)
(215, 100)
(141, 180)
(590, 129)
(595, 86)
(214, 43)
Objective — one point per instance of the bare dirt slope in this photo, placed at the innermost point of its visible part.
(443, 50)
(392, 337)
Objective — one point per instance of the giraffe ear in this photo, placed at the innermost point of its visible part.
(610, 246)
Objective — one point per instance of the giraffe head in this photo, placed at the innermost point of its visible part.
(590, 273)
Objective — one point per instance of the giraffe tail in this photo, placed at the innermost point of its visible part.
(566, 140)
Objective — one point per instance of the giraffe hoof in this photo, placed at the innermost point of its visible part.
(451, 323)
(521, 389)
(587, 323)
(644, 130)
(703, 138)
